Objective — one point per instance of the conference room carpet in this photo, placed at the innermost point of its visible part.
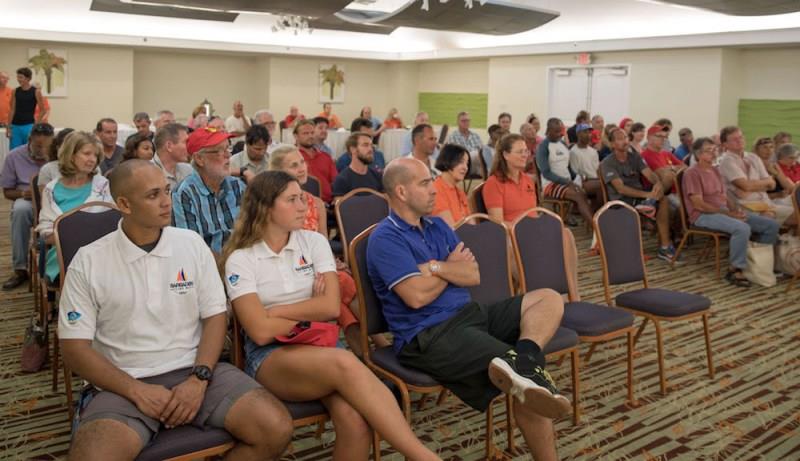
(751, 410)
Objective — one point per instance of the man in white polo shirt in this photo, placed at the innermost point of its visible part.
(149, 345)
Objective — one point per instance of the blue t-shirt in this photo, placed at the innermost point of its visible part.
(394, 251)
(681, 152)
(66, 198)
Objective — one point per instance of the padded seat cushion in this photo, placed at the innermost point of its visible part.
(386, 358)
(182, 440)
(589, 319)
(300, 410)
(664, 303)
(563, 339)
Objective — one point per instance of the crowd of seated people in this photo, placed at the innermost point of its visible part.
(193, 209)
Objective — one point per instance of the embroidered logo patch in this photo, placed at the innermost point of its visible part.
(233, 279)
(181, 285)
(304, 267)
(72, 317)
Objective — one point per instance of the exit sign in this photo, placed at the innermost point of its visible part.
(584, 59)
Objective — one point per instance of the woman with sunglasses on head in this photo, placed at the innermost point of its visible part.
(279, 275)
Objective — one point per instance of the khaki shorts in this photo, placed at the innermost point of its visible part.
(227, 385)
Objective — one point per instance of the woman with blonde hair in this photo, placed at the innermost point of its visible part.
(392, 120)
(269, 239)
(79, 183)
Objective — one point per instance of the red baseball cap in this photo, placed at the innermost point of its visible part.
(205, 137)
(656, 129)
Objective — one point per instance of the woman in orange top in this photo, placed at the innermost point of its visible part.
(288, 159)
(509, 191)
(451, 201)
(393, 120)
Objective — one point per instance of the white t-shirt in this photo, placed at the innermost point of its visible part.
(749, 166)
(584, 161)
(558, 160)
(235, 124)
(142, 311)
(283, 278)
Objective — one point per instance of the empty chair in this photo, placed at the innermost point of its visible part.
(619, 234)
(356, 211)
(488, 241)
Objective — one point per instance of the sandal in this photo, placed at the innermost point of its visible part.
(737, 278)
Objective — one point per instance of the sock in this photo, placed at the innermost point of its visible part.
(529, 355)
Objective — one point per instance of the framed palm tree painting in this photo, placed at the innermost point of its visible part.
(331, 83)
(49, 66)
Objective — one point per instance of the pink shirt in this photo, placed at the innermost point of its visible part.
(706, 183)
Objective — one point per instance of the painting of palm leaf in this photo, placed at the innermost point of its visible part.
(49, 68)
(331, 83)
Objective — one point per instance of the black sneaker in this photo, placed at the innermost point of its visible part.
(737, 278)
(15, 280)
(535, 390)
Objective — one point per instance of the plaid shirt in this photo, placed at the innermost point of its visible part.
(196, 208)
(471, 142)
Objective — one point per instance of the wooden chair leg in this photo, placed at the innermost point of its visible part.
(442, 397)
(490, 449)
(406, 400)
(576, 385)
(660, 351)
(320, 429)
(376, 446)
(708, 347)
(512, 444)
(678, 251)
(55, 363)
(68, 393)
(717, 256)
(589, 353)
(629, 337)
(639, 332)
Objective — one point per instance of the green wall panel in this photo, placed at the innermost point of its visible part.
(443, 107)
(765, 117)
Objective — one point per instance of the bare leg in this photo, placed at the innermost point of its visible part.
(579, 197)
(538, 433)
(301, 373)
(353, 435)
(104, 439)
(592, 188)
(541, 315)
(662, 221)
(260, 424)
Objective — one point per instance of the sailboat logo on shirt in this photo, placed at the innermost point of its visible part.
(304, 267)
(181, 285)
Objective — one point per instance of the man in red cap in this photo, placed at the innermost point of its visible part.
(208, 200)
(664, 163)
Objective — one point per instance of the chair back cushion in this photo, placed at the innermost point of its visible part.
(618, 230)
(312, 187)
(488, 242)
(376, 322)
(359, 211)
(81, 227)
(540, 244)
(476, 202)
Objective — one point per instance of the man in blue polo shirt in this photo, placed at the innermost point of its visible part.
(420, 270)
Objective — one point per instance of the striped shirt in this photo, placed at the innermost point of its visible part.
(197, 208)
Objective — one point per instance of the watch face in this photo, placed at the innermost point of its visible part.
(202, 372)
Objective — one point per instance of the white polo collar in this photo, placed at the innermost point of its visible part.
(263, 251)
(131, 252)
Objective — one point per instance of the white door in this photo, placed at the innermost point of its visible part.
(568, 93)
(610, 93)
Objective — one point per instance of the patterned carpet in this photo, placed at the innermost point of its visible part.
(750, 411)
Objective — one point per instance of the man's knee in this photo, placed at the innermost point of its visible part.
(261, 420)
(104, 438)
(544, 300)
(22, 211)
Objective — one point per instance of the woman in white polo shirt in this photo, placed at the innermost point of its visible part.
(278, 274)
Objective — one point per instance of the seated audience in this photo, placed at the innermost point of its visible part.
(782, 138)
(509, 191)
(584, 161)
(598, 130)
(532, 141)
(254, 158)
(533, 120)
(552, 159)
(764, 148)
(788, 162)
(196, 112)
(49, 171)
(605, 143)
(208, 200)
(216, 123)
(420, 271)
(424, 147)
(664, 163)
(358, 173)
(320, 165)
(374, 122)
(106, 133)
(332, 120)
(685, 148)
(746, 179)
(504, 120)
(200, 121)
(451, 201)
(487, 151)
(635, 138)
(626, 123)
(141, 120)
(710, 207)
(163, 117)
(138, 146)
(171, 155)
(572, 134)
(78, 183)
(362, 125)
(19, 167)
(265, 118)
(269, 239)
(623, 171)
(149, 353)
(465, 137)
(421, 118)
(237, 123)
(321, 135)
(667, 124)
(293, 117)
(392, 120)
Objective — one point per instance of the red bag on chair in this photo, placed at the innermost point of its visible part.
(312, 333)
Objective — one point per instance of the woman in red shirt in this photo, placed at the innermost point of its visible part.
(451, 201)
(393, 120)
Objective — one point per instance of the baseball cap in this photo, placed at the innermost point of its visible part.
(205, 137)
(582, 127)
(656, 129)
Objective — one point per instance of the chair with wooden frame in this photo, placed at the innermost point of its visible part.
(356, 211)
(475, 200)
(482, 174)
(796, 202)
(383, 361)
(33, 242)
(561, 206)
(690, 229)
(313, 187)
(619, 234)
(541, 257)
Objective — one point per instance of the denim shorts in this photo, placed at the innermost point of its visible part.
(254, 355)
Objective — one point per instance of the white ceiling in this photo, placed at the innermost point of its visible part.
(583, 26)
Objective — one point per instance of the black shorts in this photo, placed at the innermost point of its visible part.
(457, 352)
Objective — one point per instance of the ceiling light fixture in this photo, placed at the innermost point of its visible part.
(293, 23)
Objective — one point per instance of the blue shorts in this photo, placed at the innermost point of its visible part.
(254, 355)
(19, 135)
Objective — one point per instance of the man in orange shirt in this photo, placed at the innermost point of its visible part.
(5, 99)
(320, 165)
(334, 122)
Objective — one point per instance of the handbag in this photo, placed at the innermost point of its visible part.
(787, 254)
(320, 334)
(760, 263)
(34, 347)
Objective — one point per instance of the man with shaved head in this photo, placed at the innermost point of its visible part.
(149, 347)
(421, 271)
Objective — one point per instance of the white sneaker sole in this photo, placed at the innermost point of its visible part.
(534, 397)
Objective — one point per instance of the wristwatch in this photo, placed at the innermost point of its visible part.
(202, 372)
(434, 266)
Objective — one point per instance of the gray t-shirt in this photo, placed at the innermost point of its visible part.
(630, 172)
(182, 170)
(241, 160)
(108, 163)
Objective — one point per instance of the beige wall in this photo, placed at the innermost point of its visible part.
(100, 81)
(454, 76)
(770, 73)
(730, 87)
